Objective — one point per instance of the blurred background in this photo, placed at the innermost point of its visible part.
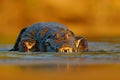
(90, 18)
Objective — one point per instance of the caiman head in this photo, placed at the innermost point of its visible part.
(57, 40)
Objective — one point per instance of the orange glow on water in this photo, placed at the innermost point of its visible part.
(91, 72)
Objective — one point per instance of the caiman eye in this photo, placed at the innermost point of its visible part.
(67, 36)
(57, 35)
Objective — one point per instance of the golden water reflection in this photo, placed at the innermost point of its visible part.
(60, 72)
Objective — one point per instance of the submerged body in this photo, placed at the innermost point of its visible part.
(49, 37)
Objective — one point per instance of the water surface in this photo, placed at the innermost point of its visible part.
(101, 62)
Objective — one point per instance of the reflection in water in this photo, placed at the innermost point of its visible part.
(60, 72)
(102, 62)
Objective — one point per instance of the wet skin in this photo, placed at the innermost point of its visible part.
(49, 37)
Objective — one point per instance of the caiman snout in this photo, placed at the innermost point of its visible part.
(65, 48)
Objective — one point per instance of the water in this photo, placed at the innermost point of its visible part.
(102, 62)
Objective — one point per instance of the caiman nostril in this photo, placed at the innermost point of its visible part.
(65, 50)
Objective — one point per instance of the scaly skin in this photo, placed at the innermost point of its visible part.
(49, 37)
